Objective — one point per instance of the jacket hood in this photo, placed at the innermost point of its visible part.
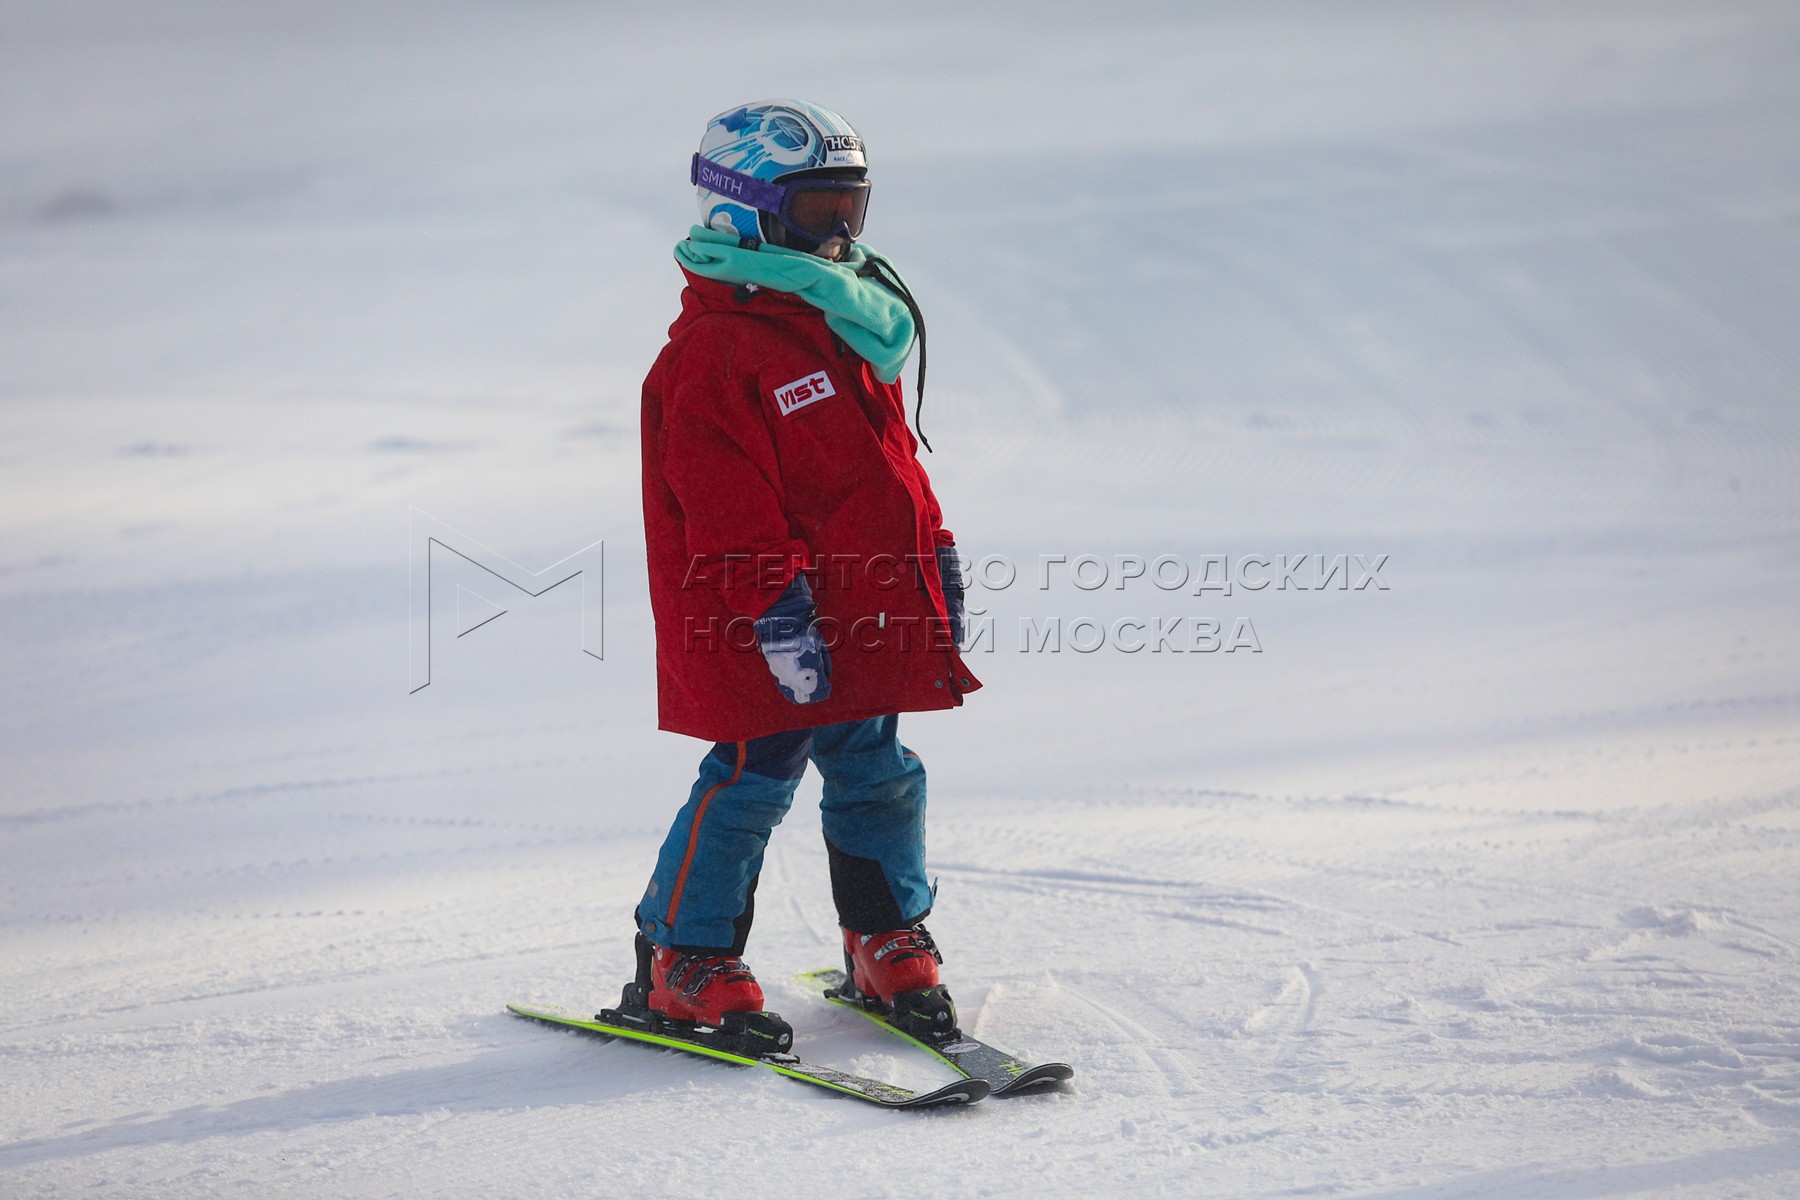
(703, 295)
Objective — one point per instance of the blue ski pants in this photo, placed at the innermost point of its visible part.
(701, 896)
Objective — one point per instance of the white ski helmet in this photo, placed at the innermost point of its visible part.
(758, 144)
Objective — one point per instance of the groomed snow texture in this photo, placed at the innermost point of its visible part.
(1476, 880)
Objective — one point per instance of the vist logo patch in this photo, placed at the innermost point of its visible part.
(803, 391)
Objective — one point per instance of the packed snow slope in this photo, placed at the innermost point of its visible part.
(1469, 873)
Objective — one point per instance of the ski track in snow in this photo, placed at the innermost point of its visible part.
(1477, 883)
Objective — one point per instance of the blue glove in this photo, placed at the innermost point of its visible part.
(950, 574)
(792, 647)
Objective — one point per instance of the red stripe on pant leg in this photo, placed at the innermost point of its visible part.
(694, 838)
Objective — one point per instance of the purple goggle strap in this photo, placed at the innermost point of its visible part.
(726, 182)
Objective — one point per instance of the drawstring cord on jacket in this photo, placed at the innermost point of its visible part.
(882, 272)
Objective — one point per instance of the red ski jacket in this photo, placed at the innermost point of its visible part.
(770, 448)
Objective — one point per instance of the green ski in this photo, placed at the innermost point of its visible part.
(610, 1024)
(970, 1057)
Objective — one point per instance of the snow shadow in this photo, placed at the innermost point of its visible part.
(496, 1081)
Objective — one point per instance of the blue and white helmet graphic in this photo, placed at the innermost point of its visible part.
(768, 139)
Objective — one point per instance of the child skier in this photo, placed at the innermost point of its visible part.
(804, 588)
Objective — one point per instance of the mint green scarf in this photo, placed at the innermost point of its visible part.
(872, 320)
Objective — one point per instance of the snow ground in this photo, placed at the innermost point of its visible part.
(1478, 884)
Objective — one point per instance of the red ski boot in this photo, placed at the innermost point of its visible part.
(687, 987)
(896, 974)
(713, 999)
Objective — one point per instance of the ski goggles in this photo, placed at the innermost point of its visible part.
(813, 208)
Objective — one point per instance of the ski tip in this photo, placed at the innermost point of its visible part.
(1045, 1077)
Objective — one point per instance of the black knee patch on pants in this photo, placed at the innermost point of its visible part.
(741, 926)
(865, 902)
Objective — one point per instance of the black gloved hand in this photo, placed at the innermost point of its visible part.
(950, 573)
